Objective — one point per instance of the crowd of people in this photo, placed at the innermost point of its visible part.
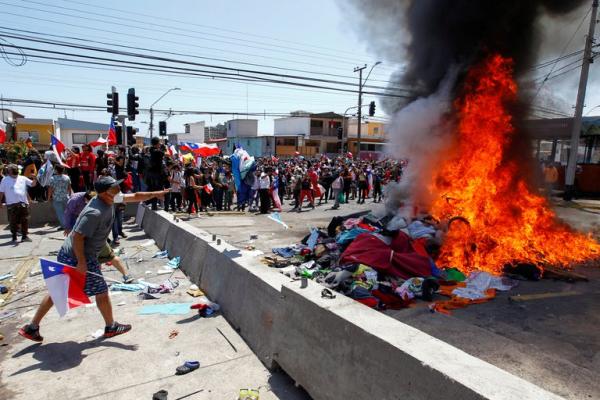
(195, 184)
(88, 190)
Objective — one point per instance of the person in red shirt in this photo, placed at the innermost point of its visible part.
(87, 161)
(74, 170)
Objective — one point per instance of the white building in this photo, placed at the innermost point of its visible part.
(73, 132)
(193, 133)
(308, 133)
(242, 128)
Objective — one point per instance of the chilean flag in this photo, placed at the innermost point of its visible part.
(58, 147)
(2, 132)
(200, 149)
(99, 142)
(65, 285)
(208, 188)
(172, 150)
(112, 134)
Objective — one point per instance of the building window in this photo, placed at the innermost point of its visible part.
(285, 142)
(83, 138)
(332, 148)
(376, 131)
(34, 135)
(315, 123)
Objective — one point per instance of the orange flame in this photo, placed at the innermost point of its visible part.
(507, 221)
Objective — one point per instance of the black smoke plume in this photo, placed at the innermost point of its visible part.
(445, 34)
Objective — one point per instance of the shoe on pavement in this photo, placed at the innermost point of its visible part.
(127, 279)
(116, 329)
(25, 239)
(124, 236)
(31, 333)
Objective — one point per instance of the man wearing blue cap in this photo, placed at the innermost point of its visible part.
(81, 248)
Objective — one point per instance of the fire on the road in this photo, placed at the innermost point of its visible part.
(507, 221)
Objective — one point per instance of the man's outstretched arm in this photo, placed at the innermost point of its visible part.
(143, 196)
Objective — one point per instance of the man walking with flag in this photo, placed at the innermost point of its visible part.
(80, 250)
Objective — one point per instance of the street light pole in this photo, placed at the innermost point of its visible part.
(360, 88)
(576, 132)
(151, 126)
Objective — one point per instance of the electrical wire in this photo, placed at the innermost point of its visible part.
(178, 34)
(147, 23)
(22, 57)
(170, 42)
(88, 107)
(87, 40)
(562, 53)
(188, 23)
(179, 61)
(181, 70)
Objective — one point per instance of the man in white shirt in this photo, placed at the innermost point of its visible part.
(13, 188)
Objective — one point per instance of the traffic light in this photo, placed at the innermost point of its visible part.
(162, 128)
(130, 135)
(119, 133)
(112, 104)
(371, 109)
(132, 104)
(340, 132)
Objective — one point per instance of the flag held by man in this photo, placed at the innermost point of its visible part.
(65, 285)
(58, 148)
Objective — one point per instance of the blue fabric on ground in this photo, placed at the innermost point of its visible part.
(127, 287)
(312, 239)
(349, 235)
(418, 229)
(285, 252)
(166, 309)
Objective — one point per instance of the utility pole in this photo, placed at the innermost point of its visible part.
(576, 132)
(360, 87)
(151, 125)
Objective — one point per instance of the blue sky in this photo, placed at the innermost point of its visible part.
(309, 35)
(315, 36)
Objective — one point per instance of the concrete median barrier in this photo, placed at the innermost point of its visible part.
(334, 348)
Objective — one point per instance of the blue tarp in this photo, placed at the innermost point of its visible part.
(166, 309)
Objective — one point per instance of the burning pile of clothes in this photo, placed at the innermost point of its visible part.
(386, 263)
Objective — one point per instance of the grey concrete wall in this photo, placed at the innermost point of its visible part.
(43, 213)
(335, 348)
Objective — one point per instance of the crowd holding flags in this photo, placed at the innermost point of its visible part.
(200, 149)
(110, 140)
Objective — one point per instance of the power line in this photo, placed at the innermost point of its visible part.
(562, 52)
(88, 107)
(170, 74)
(165, 59)
(147, 23)
(140, 65)
(222, 95)
(178, 21)
(177, 34)
(87, 40)
(171, 42)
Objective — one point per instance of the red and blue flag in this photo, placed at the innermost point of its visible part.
(200, 149)
(58, 147)
(65, 285)
(112, 134)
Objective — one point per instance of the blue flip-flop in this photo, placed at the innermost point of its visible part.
(187, 367)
